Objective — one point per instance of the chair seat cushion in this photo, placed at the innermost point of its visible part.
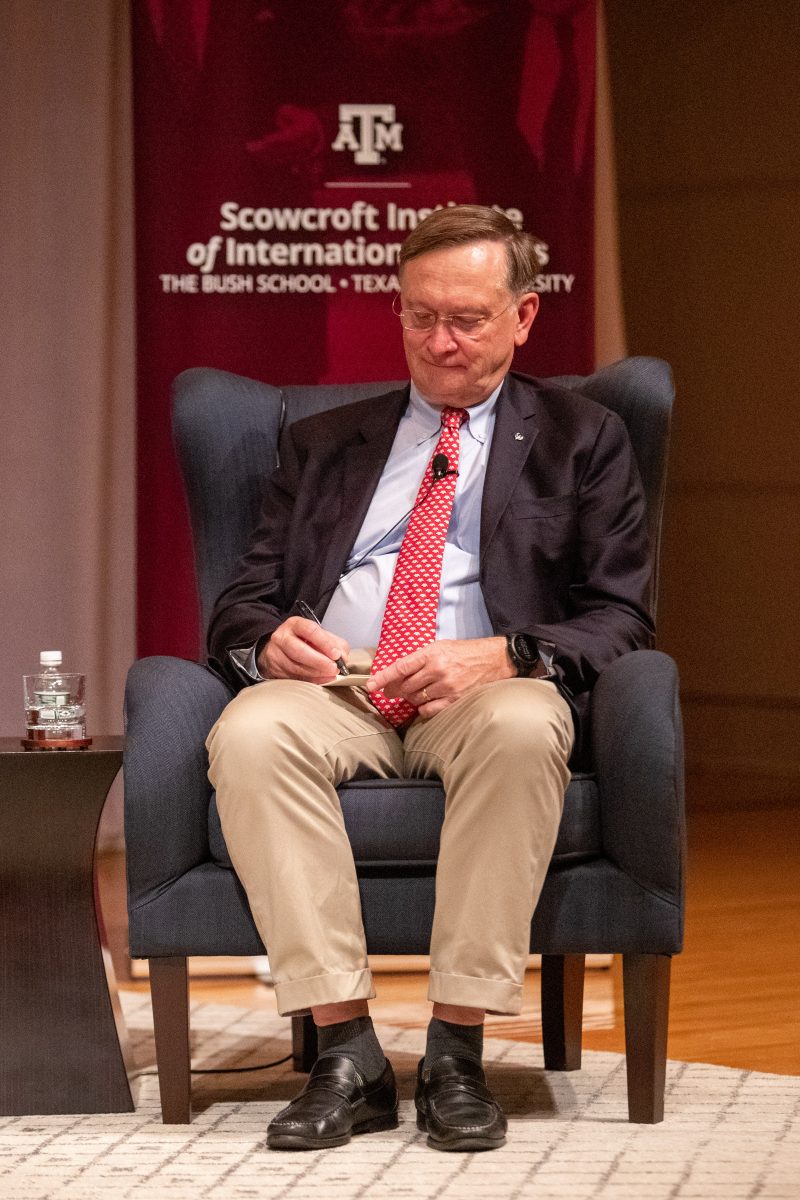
(392, 822)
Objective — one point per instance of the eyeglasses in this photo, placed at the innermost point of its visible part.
(422, 321)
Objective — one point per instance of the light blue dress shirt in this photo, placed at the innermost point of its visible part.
(357, 606)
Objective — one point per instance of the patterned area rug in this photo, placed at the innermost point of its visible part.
(728, 1133)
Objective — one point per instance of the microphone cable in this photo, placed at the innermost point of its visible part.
(224, 1070)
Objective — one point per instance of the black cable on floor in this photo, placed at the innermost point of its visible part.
(234, 1070)
(224, 1070)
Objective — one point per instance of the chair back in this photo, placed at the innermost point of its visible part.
(227, 432)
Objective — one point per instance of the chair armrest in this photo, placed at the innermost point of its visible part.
(637, 740)
(170, 706)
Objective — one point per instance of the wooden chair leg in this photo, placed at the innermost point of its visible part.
(645, 982)
(562, 1010)
(169, 989)
(304, 1043)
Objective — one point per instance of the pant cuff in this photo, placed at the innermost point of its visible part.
(298, 995)
(471, 991)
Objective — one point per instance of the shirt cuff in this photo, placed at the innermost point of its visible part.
(245, 664)
(547, 652)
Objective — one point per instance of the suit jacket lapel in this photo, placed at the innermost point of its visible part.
(363, 460)
(515, 430)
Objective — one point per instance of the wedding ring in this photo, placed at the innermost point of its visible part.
(424, 695)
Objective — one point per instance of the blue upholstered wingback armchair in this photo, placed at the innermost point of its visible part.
(616, 878)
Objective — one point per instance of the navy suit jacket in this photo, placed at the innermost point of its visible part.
(564, 551)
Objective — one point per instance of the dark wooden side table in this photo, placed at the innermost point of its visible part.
(62, 1039)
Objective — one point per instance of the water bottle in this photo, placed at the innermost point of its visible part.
(54, 702)
(50, 671)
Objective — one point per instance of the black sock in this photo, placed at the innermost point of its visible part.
(444, 1037)
(357, 1041)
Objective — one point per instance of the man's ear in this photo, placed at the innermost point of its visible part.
(526, 314)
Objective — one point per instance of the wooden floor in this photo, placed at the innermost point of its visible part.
(735, 989)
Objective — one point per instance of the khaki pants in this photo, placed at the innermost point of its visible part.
(277, 754)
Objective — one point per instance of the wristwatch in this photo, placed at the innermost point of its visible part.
(523, 650)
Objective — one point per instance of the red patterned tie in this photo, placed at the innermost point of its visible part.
(409, 620)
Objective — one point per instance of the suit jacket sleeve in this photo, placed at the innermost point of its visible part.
(254, 604)
(609, 589)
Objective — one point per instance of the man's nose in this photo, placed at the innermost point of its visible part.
(441, 337)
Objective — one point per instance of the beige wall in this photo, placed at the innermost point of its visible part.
(66, 367)
(707, 117)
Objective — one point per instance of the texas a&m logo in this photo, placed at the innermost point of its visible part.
(368, 130)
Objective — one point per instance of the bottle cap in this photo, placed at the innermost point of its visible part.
(50, 658)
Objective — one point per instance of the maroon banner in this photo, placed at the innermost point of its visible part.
(284, 150)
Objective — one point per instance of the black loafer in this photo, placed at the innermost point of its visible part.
(334, 1104)
(456, 1107)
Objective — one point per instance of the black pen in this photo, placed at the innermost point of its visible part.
(306, 610)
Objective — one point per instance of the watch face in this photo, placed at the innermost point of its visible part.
(526, 648)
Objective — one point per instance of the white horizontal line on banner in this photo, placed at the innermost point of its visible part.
(359, 184)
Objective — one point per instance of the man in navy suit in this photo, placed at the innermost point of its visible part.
(540, 583)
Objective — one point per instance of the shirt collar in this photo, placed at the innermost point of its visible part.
(426, 420)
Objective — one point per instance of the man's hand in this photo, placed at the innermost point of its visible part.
(301, 649)
(437, 675)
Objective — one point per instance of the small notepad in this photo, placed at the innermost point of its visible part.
(352, 680)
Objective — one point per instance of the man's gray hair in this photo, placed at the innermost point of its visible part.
(464, 223)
